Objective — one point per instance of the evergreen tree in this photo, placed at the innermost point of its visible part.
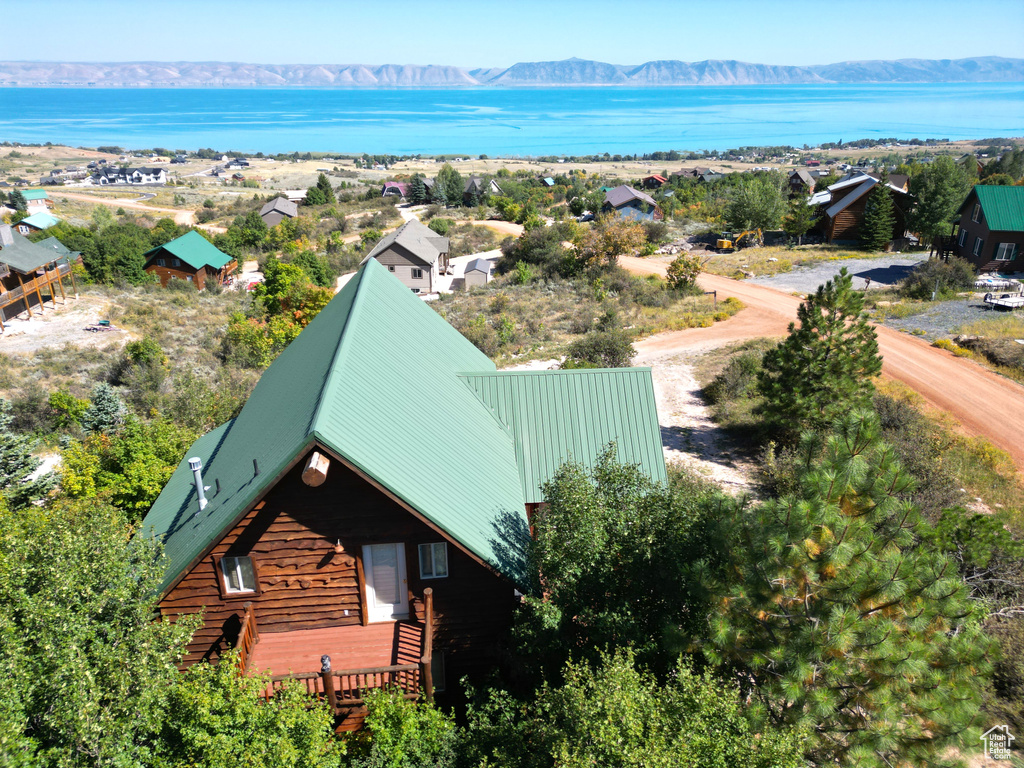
(18, 201)
(106, 412)
(417, 190)
(450, 183)
(326, 190)
(799, 220)
(879, 216)
(16, 465)
(837, 615)
(824, 368)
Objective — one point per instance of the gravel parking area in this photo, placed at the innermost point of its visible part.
(883, 272)
(941, 320)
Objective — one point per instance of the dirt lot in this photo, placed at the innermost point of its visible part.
(983, 403)
(65, 325)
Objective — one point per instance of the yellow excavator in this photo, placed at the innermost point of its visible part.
(728, 243)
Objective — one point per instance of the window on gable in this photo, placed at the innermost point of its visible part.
(976, 213)
(161, 262)
(238, 573)
(176, 262)
(434, 560)
(963, 238)
(417, 273)
(1006, 252)
(978, 245)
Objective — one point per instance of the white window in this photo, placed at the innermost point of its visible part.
(23, 229)
(417, 274)
(433, 560)
(978, 243)
(963, 238)
(976, 213)
(239, 575)
(1006, 252)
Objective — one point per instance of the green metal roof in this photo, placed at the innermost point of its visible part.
(35, 194)
(195, 250)
(557, 415)
(55, 245)
(1003, 207)
(20, 253)
(360, 380)
(41, 220)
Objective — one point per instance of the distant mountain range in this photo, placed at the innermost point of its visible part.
(571, 72)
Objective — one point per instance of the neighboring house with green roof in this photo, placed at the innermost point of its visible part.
(37, 200)
(330, 508)
(190, 257)
(37, 222)
(991, 229)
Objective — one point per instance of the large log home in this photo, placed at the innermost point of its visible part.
(29, 271)
(369, 503)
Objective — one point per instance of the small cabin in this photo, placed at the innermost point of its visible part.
(327, 536)
(478, 273)
(190, 257)
(989, 232)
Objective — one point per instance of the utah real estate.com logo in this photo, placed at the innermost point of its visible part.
(997, 742)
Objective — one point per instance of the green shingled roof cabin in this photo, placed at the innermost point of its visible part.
(990, 229)
(190, 257)
(370, 502)
(32, 274)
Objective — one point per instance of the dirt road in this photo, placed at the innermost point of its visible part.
(185, 218)
(984, 403)
(501, 227)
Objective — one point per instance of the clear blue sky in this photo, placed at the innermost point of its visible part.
(498, 33)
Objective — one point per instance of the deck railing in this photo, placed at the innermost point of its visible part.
(248, 636)
(27, 287)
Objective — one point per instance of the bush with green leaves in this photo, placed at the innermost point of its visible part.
(737, 380)
(399, 733)
(106, 411)
(947, 277)
(683, 272)
(601, 349)
(67, 409)
(441, 226)
(85, 668)
(838, 615)
(215, 717)
(613, 713)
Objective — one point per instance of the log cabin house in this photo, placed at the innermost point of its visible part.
(368, 507)
(29, 271)
(842, 207)
(190, 257)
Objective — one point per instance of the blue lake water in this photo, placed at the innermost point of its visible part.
(529, 121)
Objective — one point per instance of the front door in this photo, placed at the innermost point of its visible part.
(387, 592)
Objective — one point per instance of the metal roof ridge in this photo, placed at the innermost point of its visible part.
(333, 367)
(561, 371)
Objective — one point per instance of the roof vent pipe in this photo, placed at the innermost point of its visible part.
(196, 465)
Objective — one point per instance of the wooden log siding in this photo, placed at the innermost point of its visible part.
(304, 584)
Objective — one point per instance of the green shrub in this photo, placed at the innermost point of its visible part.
(950, 276)
(684, 270)
(737, 380)
(398, 733)
(441, 226)
(602, 349)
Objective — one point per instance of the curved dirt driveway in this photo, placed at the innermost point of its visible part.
(984, 403)
(186, 218)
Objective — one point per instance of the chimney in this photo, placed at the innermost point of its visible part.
(196, 465)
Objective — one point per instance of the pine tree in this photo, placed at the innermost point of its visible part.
(16, 465)
(106, 412)
(838, 616)
(18, 201)
(326, 190)
(879, 216)
(417, 190)
(824, 368)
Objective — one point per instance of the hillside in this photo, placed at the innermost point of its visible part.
(569, 72)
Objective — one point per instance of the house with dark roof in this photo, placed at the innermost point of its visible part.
(111, 175)
(277, 210)
(413, 253)
(29, 271)
(190, 257)
(326, 520)
(476, 187)
(842, 205)
(801, 183)
(631, 203)
(989, 231)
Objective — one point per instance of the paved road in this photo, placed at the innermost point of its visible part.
(984, 403)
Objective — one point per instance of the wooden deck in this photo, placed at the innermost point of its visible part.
(350, 647)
